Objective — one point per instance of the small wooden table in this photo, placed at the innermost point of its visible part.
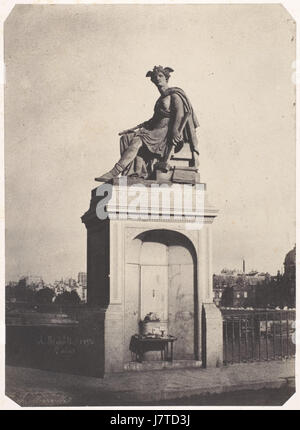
(140, 344)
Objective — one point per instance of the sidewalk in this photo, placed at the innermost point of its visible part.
(33, 387)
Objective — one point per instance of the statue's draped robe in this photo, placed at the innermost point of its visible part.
(156, 136)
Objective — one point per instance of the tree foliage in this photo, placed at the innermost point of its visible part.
(67, 298)
(44, 296)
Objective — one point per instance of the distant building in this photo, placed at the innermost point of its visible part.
(290, 265)
(33, 281)
(82, 293)
(235, 288)
(12, 284)
(71, 284)
(33, 284)
(82, 278)
(82, 286)
(60, 286)
(240, 289)
(289, 276)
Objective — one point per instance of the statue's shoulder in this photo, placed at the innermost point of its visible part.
(175, 97)
(176, 93)
(176, 90)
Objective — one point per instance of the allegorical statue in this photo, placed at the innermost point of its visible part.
(172, 123)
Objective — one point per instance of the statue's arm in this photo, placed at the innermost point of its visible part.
(146, 124)
(177, 114)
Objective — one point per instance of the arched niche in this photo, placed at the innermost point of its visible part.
(161, 277)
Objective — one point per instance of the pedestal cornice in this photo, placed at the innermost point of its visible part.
(150, 201)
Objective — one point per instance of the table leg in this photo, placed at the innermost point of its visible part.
(140, 353)
(167, 351)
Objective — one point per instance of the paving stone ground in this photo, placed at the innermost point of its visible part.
(33, 387)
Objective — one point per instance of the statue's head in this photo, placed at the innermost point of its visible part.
(159, 71)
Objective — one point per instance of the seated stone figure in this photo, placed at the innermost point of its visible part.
(151, 141)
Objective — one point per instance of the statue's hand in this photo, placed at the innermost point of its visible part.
(177, 138)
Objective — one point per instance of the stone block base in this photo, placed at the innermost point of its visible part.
(212, 336)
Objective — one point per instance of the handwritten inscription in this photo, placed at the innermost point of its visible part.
(65, 340)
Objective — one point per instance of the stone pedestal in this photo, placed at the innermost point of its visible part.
(212, 336)
(143, 233)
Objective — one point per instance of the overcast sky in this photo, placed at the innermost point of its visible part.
(75, 77)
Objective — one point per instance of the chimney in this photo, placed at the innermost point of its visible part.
(244, 266)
